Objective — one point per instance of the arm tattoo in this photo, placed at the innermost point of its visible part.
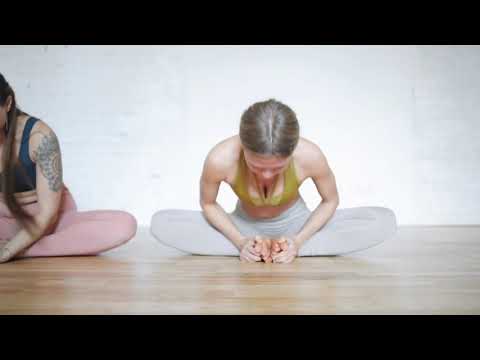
(50, 161)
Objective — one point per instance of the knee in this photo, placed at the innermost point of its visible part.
(387, 216)
(162, 218)
(155, 222)
(125, 226)
(386, 220)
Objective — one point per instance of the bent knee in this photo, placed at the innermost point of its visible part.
(386, 218)
(158, 220)
(124, 226)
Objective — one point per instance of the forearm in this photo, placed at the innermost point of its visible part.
(218, 218)
(25, 238)
(22, 240)
(316, 221)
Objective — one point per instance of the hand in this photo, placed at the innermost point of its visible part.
(284, 250)
(5, 254)
(250, 252)
(263, 246)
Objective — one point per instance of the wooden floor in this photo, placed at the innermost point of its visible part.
(423, 270)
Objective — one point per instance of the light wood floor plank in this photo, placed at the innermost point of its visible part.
(423, 270)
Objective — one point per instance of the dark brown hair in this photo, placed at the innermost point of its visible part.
(8, 174)
(269, 128)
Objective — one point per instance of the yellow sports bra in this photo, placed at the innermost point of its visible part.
(290, 189)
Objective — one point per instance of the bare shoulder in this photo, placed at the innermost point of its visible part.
(309, 159)
(222, 159)
(41, 128)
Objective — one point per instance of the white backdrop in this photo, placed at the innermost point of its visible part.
(398, 124)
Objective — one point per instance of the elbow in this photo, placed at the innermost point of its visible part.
(335, 201)
(207, 205)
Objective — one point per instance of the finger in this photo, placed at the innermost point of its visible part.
(279, 256)
(245, 255)
(279, 251)
(289, 257)
(253, 247)
(253, 255)
(256, 248)
(278, 260)
(5, 255)
(275, 246)
(260, 246)
(265, 250)
(282, 259)
(247, 259)
(276, 256)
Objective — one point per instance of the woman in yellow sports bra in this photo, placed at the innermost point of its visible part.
(265, 164)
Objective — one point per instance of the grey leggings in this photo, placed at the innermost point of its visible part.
(348, 230)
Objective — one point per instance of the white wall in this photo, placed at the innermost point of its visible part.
(399, 124)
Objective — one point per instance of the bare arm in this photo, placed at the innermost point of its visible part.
(214, 172)
(46, 154)
(318, 169)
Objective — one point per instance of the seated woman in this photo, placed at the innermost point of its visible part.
(38, 216)
(265, 165)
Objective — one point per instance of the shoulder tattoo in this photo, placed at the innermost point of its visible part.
(49, 159)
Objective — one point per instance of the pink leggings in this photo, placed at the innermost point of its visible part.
(75, 233)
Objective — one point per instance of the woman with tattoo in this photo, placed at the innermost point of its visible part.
(265, 164)
(38, 216)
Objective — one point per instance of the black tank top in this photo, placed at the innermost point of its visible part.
(25, 170)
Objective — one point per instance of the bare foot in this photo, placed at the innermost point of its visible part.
(279, 245)
(263, 248)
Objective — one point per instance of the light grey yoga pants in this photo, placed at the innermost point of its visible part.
(348, 230)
